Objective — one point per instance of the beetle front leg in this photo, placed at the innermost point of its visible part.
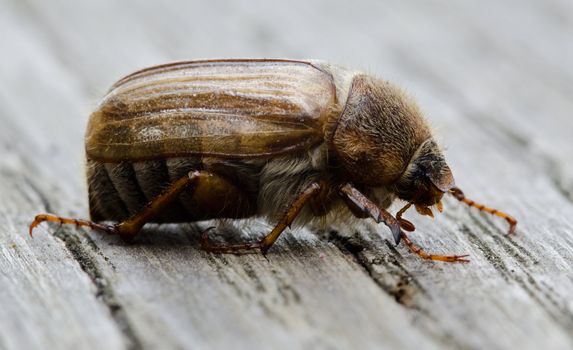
(358, 202)
(263, 245)
(426, 256)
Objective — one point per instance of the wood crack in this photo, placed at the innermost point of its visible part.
(104, 291)
(395, 280)
(85, 254)
(545, 298)
(405, 286)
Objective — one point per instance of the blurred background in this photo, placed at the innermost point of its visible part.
(507, 64)
(495, 79)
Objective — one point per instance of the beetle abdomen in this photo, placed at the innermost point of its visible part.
(119, 190)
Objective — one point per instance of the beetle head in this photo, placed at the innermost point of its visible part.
(426, 178)
(378, 132)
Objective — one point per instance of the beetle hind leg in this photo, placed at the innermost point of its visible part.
(129, 228)
(111, 229)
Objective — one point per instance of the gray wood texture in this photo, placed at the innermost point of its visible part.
(494, 78)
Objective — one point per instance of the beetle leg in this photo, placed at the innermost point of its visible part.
(422, 254)
(356, 201)
(130, 227)
(78, 222)
(264, 244)
(456, 192)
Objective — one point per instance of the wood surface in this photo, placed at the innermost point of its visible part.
(494, 78)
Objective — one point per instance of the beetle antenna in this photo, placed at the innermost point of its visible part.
(78, 222)
(459, 194)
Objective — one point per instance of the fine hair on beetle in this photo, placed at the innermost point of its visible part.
(291, 141)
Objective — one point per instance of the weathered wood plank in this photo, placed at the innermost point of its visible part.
(46, 299)
(195, 310)
(493, 77)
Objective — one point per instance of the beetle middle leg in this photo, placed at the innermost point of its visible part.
(263, 245)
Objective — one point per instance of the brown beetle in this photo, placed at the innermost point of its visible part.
(279, 139)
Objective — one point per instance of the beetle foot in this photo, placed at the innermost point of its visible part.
(426, 256)
(70, 221)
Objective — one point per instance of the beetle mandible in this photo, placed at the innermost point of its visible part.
(290, 141)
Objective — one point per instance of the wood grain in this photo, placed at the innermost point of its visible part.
(494, 78)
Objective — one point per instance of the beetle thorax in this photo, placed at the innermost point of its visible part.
(378, 132)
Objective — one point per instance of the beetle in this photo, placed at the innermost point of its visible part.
(291, 141)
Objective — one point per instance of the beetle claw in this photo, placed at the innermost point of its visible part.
(397, 234)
